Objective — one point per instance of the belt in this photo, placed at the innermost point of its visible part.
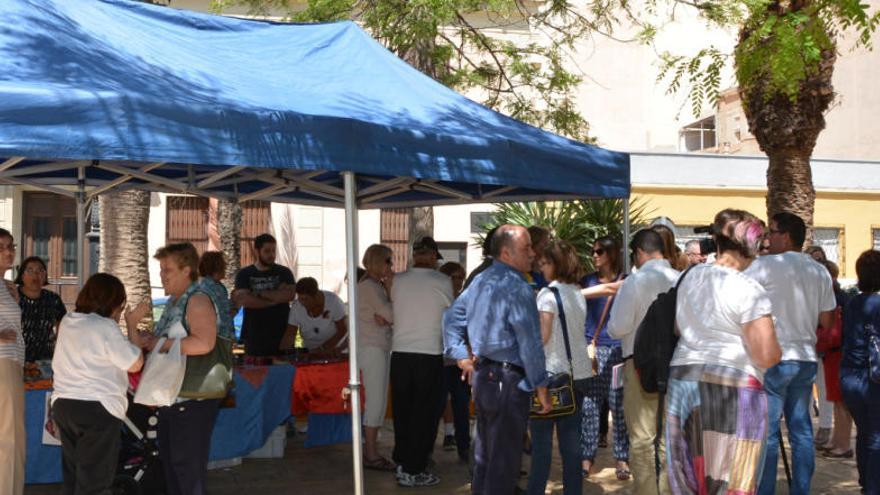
(484, 361)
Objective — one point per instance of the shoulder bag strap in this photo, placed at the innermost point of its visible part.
(604, 314)
(555, 291)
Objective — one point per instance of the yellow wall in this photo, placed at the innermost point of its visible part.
(855, 214)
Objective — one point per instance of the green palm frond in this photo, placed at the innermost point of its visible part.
(578, 222)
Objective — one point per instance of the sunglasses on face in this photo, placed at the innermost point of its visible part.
(598, 252)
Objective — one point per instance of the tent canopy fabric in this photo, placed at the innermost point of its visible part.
(129, 95)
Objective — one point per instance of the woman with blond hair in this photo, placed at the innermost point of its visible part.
(716, 407)
(374, 317)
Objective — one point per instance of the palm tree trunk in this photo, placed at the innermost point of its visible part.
(421, 223)
(124, 219)
(790, 185)
(229, 228)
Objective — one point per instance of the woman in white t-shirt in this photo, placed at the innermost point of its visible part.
(319, 316)
(90, 366)
(560, 265)
(716, 407)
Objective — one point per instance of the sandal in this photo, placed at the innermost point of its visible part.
(622, 473)
(586, 472)
(379, 464)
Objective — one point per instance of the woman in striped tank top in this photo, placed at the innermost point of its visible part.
(12, 433)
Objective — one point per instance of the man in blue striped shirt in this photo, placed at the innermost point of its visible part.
(497, 315)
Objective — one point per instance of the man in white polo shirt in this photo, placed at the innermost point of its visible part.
(635, 295)
(419, 297)
(802, 295)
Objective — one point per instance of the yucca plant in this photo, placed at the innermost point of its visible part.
(578, 222)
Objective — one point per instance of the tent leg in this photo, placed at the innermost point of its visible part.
(80, 226)
(354, 385)
(626, 233)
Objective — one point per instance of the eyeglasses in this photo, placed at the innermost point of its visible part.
(598, 252)
(35, 271)
(8, 247)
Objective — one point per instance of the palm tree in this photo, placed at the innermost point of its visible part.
(785, 124)
(578, 222)
(124, 219)
(229, 228)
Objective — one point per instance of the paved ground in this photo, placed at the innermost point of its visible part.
(327, 471)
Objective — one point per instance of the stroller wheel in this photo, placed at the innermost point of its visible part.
(125, 485)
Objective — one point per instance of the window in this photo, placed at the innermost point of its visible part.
(49, 231)
(478, 219)
(876, 235)
(68, 248)
(698, 136)
(187, 221)
(829, 240)
(453, 252)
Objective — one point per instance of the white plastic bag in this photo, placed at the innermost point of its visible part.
(162, 377)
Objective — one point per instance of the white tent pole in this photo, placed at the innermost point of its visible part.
(80, 225)
(626, 228)
(354, 385)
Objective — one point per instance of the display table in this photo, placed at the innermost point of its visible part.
(317, 392)
(262, 398)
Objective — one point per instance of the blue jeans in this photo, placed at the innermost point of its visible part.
(568, 435)
(862, 398)
(789, 387)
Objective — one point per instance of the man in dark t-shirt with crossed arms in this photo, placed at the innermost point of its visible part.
(265, 290)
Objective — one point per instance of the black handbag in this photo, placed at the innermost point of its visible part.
(560, 386)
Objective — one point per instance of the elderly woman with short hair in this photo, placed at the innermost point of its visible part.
(716, 407)
(185, 427)
(374, 315)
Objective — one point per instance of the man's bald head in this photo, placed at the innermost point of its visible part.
(512, 245)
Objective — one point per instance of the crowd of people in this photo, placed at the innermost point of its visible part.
(749, 318)
(759, 321)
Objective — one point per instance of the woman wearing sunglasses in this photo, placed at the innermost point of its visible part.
(374, 316)
(599, 393)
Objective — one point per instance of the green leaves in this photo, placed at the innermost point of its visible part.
(578, 222)
(701, 74)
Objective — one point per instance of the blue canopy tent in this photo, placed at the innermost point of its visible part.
(113, 94)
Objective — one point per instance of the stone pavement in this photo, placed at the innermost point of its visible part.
(327, 471)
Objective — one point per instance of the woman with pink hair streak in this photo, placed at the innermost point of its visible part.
(716, 407)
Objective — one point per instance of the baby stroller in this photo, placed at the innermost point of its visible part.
(139, 471)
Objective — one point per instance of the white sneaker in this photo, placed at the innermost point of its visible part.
(398, 473)
(421, 479)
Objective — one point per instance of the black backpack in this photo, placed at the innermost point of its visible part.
(655, 341)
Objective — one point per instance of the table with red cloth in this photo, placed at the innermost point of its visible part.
(317, 392)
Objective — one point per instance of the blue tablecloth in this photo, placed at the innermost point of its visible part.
(328, 429)
(43, 463)
(238, 430)
(258, 411)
